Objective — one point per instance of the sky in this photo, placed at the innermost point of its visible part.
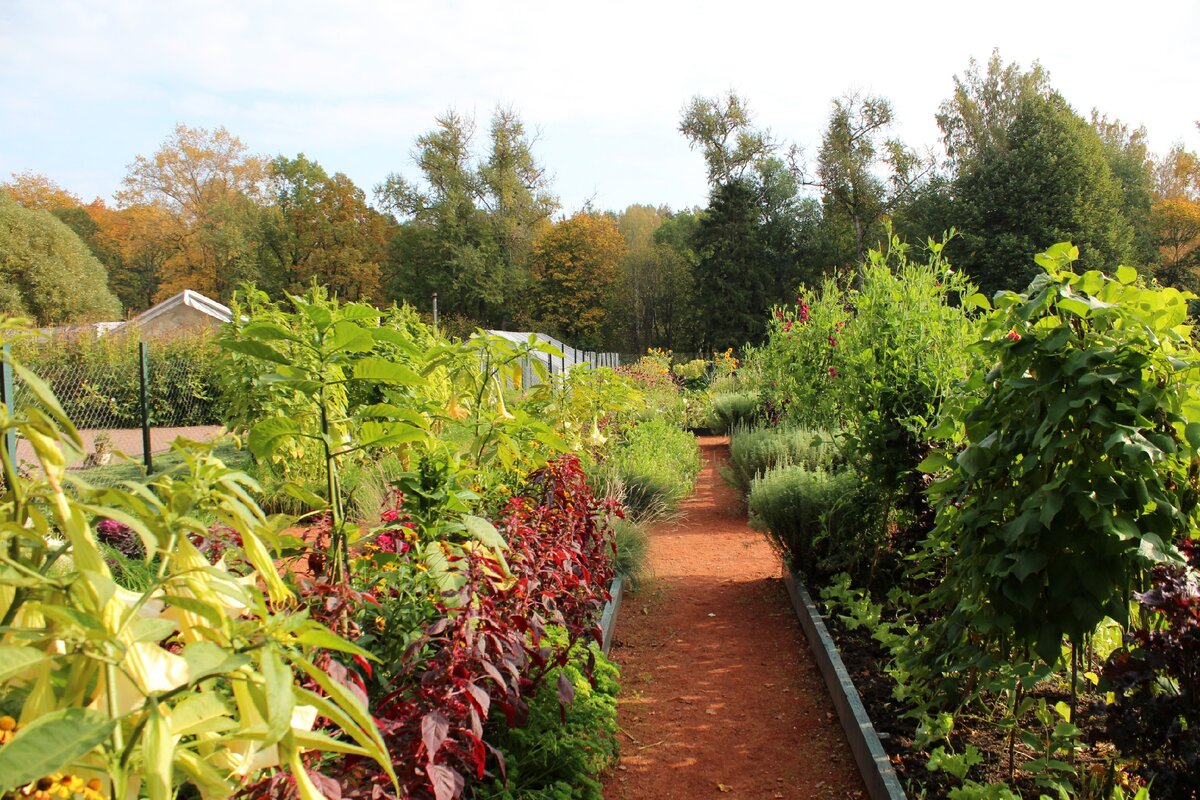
(85, 87)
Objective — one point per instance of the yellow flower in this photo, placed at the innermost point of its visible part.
(380, 623)
(8, 729)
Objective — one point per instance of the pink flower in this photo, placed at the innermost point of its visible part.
(1013, 336)
(787, 326)
(832, 342)
(833, 373)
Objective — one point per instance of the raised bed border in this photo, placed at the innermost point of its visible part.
(608, 620)
(872, 760)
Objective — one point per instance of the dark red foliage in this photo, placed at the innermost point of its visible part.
(1156, 714)
(120, 537)
(487, 647)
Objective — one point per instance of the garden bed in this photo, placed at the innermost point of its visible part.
(872, 759)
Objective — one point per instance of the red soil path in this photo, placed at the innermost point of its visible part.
(720, 696)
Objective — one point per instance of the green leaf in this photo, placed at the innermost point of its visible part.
(277, 691)
(357, 311)
(266, 435)
(934, 462)
(485, 532)
(320, 636)
(351, 338)
(318, 315)
(15, 660)
(1126, 275)
(1192, 432)
(51, 743)
(256, 349)
(381, 370)
(158, 750)
(205, 658)
(204, 712)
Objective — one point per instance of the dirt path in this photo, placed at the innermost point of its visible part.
(720, 696)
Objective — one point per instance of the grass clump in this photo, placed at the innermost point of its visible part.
(653, 470)
(755, 451)
(730, 410)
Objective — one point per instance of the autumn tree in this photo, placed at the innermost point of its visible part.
(575, 266)
(37, 192)
(326, 231)
(47, 273)
(210, 188)
(646, 308)
(1175, 217)
(470, 221)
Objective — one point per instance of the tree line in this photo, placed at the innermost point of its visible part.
(479, 224)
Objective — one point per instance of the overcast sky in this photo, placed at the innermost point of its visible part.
(87, 86)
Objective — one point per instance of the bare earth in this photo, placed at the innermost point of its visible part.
(720, 695)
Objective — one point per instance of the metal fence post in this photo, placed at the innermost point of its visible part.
(8, 396)
(144, 359)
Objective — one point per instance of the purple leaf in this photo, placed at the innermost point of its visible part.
(434, 730)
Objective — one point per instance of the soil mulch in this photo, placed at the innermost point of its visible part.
(720, 695)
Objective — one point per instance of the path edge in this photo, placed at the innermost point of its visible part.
(872, 760)
(608, 620)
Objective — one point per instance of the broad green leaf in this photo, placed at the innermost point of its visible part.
(484, 532)
(1126, 275)
(381, 370)
(328, 640)
(368, 737)
(295, 490)
(934, 462)
(358, 311)
(256, 349)
(318, 315)
(204, 712)
(205, 776)
(15, 660)
(351, 338)
(268, 331)
(205, 658)
(265, 436)
(51, 743)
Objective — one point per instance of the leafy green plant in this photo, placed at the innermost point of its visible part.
(731, 411)
(755, 451)
(1080, 466)
(632, 544)
(653, 469)
(820, 521)
(560, 751)
(328, 374)
(200, 676)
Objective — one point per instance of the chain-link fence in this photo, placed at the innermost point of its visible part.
(129, 402)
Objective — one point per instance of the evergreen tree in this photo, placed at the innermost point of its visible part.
(733, 275)
(1049, 182)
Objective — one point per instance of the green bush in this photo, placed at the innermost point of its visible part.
(632, 544)
(561, 750)
(98, 381)
(653, 470)
(754, 451)
(821, 522)
(732, 410)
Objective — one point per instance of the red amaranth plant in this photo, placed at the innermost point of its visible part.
(488, 646)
